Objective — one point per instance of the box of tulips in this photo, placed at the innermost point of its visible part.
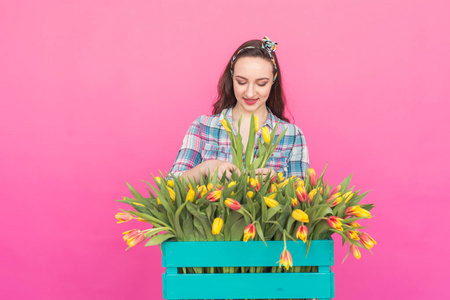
(248, 237)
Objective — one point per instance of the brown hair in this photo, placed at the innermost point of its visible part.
(226, 98)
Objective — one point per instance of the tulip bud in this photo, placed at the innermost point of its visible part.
(171, 194)
(233, 204)
(254, 183)
(214, 196)
(357, 211)
(332, 197)
(302, 233)
(273, 188)
(354, 224)
(355, 251)
(231, 184)
(312, 194)
(250, 194)
(349, 197)
(336, 201)
(335, 190)
(286, 259)
(367, 240)
(266, 135)
(170, 183)
(280, 176)
(335, 222)
(270, 202)
(294, 202)
(301, 193)
(123, 217)
(201, 191)
(225, 125)
(312, 177)
(133, 237)
(158, 201)
(158, 180)
(249, 232)
(190, 195)
(139, 204)
(300, 216)
(256, 123)
(353, 235)
(209, 186)
(217, 226)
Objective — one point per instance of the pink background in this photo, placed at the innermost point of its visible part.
(98, 93)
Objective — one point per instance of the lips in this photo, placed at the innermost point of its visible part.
(250, 101)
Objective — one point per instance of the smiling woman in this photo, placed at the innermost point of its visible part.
(250, 84)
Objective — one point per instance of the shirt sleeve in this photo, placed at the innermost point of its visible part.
(190, 153)
(299, 158)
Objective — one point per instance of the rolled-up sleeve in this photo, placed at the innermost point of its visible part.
(299, 158)
(190, 153)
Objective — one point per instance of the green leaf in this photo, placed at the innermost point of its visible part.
(260, 232)
(178, 228)
(237, 230)
(158, 239)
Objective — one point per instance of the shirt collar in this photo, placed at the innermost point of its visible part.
(270, 122)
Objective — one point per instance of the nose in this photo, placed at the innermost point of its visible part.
(250, 91)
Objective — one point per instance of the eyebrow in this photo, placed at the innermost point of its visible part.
(242, 77)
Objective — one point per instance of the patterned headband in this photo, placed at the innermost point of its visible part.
(267, 45)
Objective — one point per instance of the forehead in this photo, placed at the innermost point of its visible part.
(253, 67)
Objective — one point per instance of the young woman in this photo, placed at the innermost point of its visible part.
(251, 83)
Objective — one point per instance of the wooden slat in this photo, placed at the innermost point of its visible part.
(240, 254)
(246, 286)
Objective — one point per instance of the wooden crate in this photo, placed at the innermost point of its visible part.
(177, 285)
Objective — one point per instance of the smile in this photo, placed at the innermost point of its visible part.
(250, 101)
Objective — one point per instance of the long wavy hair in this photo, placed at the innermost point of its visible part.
(226, 98)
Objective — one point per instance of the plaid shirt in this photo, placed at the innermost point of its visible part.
(207, 139)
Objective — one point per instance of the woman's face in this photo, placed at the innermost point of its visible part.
(252, 81)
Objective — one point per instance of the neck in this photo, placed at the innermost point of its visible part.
(262, 114)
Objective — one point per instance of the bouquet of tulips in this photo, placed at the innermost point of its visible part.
(249, 207)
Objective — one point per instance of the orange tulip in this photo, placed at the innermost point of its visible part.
(233, 204)
(302, 233)
(355, 251)
(312, 177)
(353, 235)
(286, 259)
(249, 232)
(123, 217)
(367, 240)
(133, 237)
(335, 222)
(214, 195)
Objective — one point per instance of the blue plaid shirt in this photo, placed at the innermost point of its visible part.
(207, 139)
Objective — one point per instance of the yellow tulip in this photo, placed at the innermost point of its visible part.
(137, 203)
(266, 135)
(231, 184)
(270, 202)
(217, 226)
(250, 194)
(170, 183)
(225, 125)
(190, 195)
(171, 194)
(300, 216)
(256, 124)
(312, 194)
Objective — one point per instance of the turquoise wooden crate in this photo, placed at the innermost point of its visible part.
(248, 285)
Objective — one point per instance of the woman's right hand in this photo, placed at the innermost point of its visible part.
(223, 166)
